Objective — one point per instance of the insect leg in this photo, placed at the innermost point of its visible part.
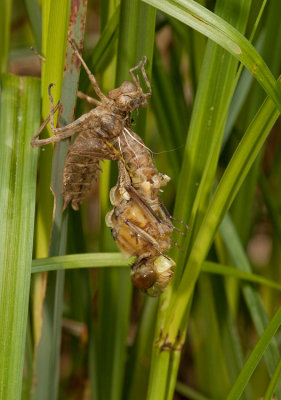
(90, 75)
(89, 99)
(141, 65)
(37, 143)
(145, 236)
(132, 70)
(166, 212)
(133, 192)
(59, 133)
(41, 58)
(146, 78)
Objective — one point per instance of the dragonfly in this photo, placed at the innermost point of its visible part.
(140, 223)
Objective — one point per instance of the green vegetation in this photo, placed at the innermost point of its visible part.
(71, 325)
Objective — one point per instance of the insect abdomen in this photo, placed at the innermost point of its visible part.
(82, 167)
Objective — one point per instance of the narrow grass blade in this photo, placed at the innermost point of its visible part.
(19, 118)
(48, 352)
(228, 187)
(271, 204)
(5, 20)
(167, 114)
(136, 32)
(103, 50)
(88, 260)
(199, 166)
(189, 392)
(224, 270)
(254, 358)
(212, 317)
(273, 382)
(137, 20)
(253, 300)
(221, 32)
(35, 17)
(55, 19)
(137, 371)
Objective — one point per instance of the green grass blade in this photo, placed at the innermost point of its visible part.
(189, 393)
(104, 49)
(205, 132)
(136, 21)
(254, 358)
(253, 300)
(212, 317)
(242, 206)
(273, 382)
(222, 33)
(203, 142)
(48, 352)
(20, 117)
(228, 187)
(54, 33)
(35, 17)
(88, 260)
(271, 204)
(102, 371)
(5, 20)
(216, 268)
(137, 369)
(167, 113)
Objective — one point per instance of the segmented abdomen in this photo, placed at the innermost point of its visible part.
(82, 167)
(94, 143)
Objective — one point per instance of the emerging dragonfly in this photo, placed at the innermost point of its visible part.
(139, 221)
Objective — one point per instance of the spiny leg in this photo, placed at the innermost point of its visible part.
(59, 133)
(37, 143)
(133, 69)
(171, 217)
(146, 78)
(141, 65)
(90, 75)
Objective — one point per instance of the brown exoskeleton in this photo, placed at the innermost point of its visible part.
(98, 131)
(139, 222)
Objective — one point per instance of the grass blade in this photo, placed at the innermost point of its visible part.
(224, 270)
(48, 352)
(136, 21)
(20, 117)
(5, 20)
(203, 142)
(256, 355)
(274, 382)
(224, 34)
(253, 300)
(35, 17)
(227, 189)
(88, 260)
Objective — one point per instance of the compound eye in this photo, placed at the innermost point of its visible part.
(143, 278)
